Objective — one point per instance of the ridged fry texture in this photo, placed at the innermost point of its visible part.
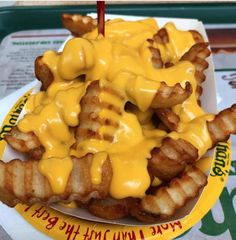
(21, 181)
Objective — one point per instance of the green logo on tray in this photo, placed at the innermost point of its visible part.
(213, 228)
(11, 119)
(221, 160)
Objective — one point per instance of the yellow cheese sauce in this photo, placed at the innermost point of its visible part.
(196, 133)
(51, 120)
(129, 33)
(128, 152)
(96, 168)
(56, 170)
(179, 43)
(120, 60)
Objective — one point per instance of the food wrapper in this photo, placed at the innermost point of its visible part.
(12, 109)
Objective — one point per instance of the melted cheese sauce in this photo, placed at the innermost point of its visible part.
(50, 118)
(190, 132)
(96, 168)
(121, 60)
(179, 43)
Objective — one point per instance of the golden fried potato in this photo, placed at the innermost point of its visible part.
(223, 125)
(169, 96)
(143, 216)
(21, 181)
(25, 142)
(171, 158)
(161, 37)
(168, 118)
(78, 24)
(43, 73)
(89, 118)
(197, 55)
(136, 211)
(196, 36)
(156, 56)
(167, 199)
(109, 208)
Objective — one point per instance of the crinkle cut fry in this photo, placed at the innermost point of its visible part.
(165, 114)
(25, 143)
(89, 120)
(197, 55)
(137, 212)
(156, 56)
(78, 24)
(163, 203)
(109, 208)
(43, 73)
(167, 199)
(171, 158)
(222, 125)
(161, 37)
(91, 106)
(168, 117)
(169, 96)
(196, 36)
(34, 187)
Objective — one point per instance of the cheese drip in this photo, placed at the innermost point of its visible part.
(128, 154)
(51, 120)
(123, 61)
(195, 132)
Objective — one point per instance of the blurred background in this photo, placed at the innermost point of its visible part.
(65, 2)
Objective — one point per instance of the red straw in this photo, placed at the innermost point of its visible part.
(101, 17)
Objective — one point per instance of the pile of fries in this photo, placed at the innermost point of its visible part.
(174, 128)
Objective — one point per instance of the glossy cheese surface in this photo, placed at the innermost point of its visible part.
(121, 60)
